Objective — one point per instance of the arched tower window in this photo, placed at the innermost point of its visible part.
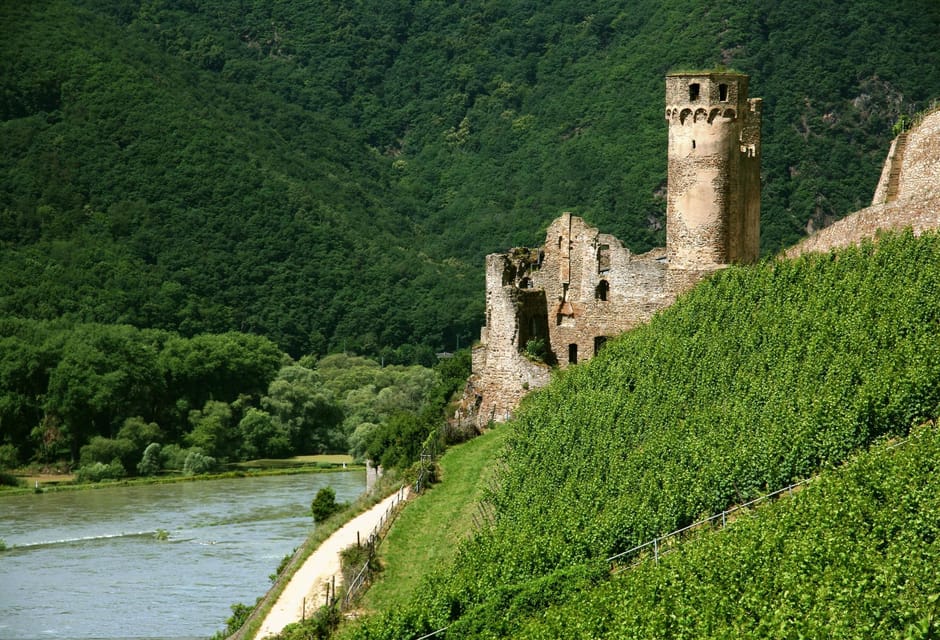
(602, 291)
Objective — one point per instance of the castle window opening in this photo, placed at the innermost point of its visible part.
(722, 93)
(599, 343)
(573, 353)
(602, 291)
(693, 91)
(693, 144)
(525, 283)
(603, 258)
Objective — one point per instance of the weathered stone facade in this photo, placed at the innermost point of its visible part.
(582, 286)
(713, 204)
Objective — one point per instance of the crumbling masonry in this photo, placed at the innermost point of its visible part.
(562, 301)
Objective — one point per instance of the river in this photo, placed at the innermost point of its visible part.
(84, 565)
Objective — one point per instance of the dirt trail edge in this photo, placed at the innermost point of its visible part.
(309, 583)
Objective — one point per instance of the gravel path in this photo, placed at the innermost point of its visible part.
(310, 581)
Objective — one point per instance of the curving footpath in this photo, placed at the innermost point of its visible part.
(309, 584)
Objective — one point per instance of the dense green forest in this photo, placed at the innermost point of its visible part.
(114, 400)
(760, 376)
(330, 175)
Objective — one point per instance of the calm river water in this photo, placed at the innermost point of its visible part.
(86, 564)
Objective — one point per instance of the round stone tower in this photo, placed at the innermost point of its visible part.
(713, 204)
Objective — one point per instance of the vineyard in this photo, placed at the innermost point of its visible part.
(760, 377)
(852, 556)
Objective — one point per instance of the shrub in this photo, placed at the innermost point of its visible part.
(8, 480)
(319, 626)
(173, 457)
(197, 462)
(99, 471)
(9, 456)
(149, 464)
(281, 566)
(240, 613)
(324, 504)
(535, 350)
(103, 450)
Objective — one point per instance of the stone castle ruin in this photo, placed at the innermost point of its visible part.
(559, 303)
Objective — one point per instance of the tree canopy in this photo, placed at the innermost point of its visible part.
(332, 176)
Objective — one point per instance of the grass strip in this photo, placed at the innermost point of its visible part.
(428, 530)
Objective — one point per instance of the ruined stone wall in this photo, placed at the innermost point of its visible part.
(580, 288)
(595, 288)
(917, 205)
(881, 191)
(502, 375)
(920, 168)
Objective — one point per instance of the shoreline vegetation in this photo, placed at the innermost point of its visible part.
(49, 482)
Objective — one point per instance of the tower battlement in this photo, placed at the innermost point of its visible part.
(701, 90)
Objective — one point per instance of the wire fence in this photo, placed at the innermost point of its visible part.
(363, 576)
(661, 545)
(664, 544)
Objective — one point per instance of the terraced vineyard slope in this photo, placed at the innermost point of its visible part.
(760, 376)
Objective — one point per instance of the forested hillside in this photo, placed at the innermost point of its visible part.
(759, 377)
(330, 175)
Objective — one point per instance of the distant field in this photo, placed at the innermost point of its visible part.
(47, 478)
(296, 461)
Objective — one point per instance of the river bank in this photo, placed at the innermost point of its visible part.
(52, 482)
